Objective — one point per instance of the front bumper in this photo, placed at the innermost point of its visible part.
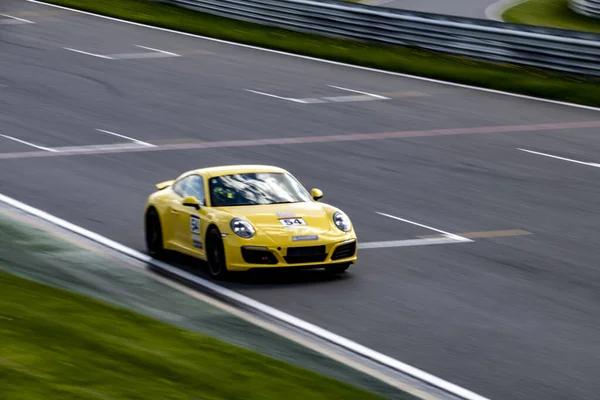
(242, 256)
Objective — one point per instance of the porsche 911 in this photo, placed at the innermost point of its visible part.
(243, 217)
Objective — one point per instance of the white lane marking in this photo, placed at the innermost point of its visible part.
(379, 71)
(408, 243)
(348, 99)
(265, 309)
(447, 234)
(157, 50)
(495, 11)
(363, 96)
(313, 100)
(127, 137)
(133, 56)
(155, 53)
(123, 56)
(15, 20)
(277, 97)
(89, 54)
(377, 96)
(590, 164)
(30, 144)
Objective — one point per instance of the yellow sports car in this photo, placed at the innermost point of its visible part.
(243, 217)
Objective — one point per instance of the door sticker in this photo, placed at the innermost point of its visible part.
(194, 224)
(197, 241)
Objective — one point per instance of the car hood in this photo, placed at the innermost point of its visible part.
(266, 218)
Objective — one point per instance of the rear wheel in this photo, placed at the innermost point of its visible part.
(217, 266)
(336, 269)
(154, 237)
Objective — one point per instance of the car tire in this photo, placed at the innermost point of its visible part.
(215, 254)
(336, 269)
(154, 237)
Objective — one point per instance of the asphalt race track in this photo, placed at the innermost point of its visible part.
(511, 314)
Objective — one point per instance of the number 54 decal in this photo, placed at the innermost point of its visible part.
(292, 222)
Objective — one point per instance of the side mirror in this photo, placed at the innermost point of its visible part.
(316, 194)
(191, 201)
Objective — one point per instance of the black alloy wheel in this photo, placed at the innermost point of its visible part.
(154, 238)
(217, 266)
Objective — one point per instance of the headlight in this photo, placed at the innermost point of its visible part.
(242, 228)
(342, 221)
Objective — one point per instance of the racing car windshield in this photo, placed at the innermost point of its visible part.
(255, 188)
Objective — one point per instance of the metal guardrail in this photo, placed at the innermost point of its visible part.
(553, 49)
(590, 8)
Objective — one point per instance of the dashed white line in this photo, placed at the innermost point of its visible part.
(364, 96)
(590, 164)
(409, 243)
(89, 54)
(160, 51)
(156, 53)
(277, 97)
(135, 56)
(30, 144)
(127, 137)
(358, 91)
(447, 234)
(16, 20)
(321, 60)
(349, 99)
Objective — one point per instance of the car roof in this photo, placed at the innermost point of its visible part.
(235, 169)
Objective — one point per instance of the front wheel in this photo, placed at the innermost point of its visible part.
(217, 266)
(336, 269)
(154, 237)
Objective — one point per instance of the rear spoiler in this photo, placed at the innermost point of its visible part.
(164, 185)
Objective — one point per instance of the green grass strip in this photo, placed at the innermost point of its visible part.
(59, 345)
(552, 14)
(463, 70)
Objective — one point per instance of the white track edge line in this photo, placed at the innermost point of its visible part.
(421, 78)
(280, 315)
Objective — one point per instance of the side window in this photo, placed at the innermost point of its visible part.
(195, 187)
(190, 186)
(179, 187)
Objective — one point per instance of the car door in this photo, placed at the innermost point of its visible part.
(189, 223)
